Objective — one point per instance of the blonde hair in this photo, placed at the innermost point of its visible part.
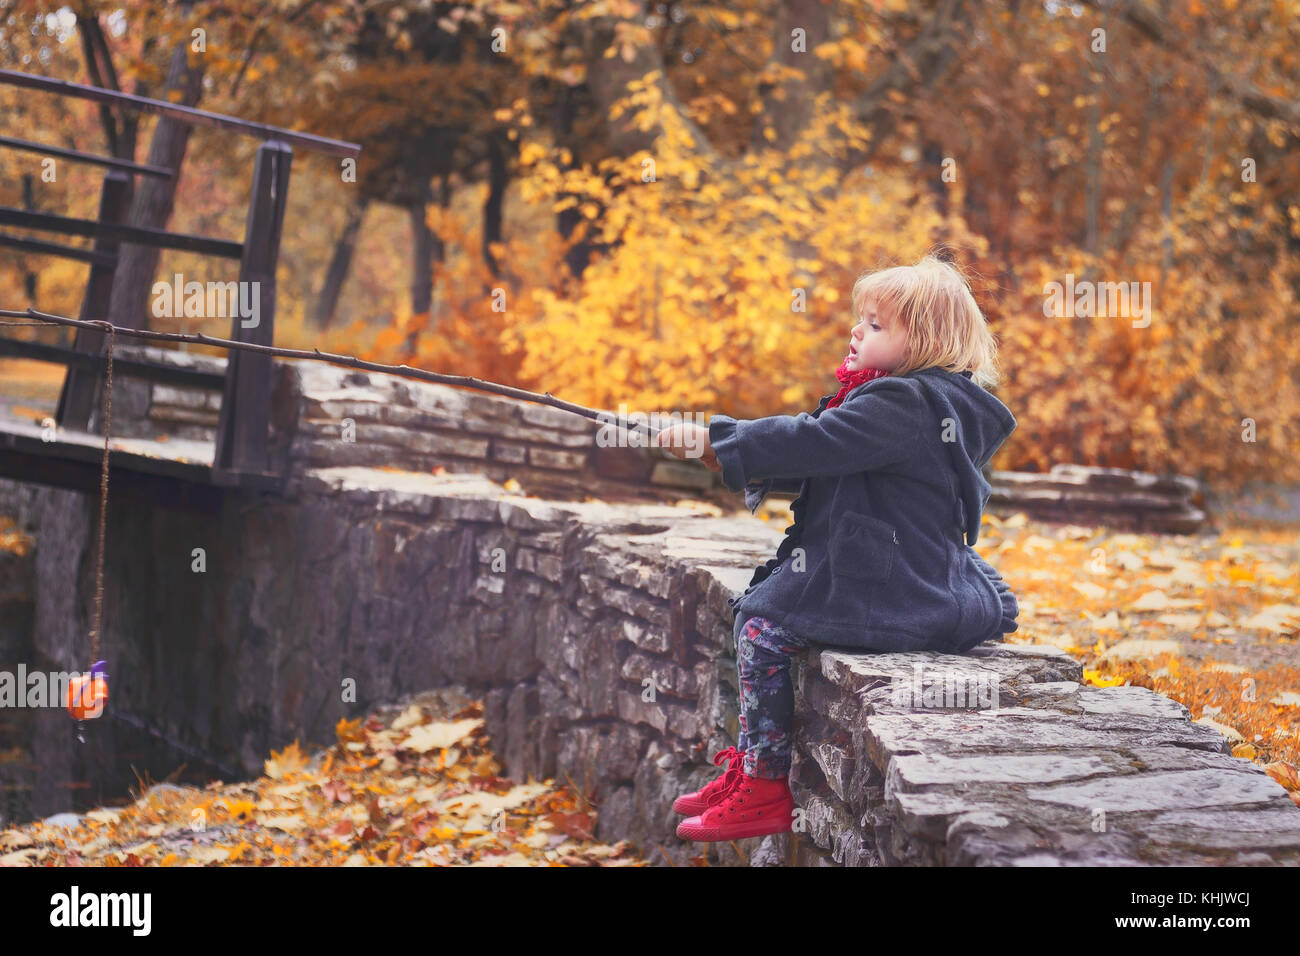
(942, 323)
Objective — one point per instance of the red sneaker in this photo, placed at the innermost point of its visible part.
(700, 800)
(756, 806)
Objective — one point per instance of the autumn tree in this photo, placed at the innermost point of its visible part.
(665, 205)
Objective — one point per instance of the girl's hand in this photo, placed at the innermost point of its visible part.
(679, 440)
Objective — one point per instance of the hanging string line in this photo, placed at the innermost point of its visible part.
(103, 500)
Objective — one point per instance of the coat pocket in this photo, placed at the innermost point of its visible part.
(863, 547)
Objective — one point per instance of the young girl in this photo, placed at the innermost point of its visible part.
(888, 472)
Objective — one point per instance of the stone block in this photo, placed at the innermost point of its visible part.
(557, 458)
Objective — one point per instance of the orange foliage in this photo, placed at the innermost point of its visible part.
(730, 250)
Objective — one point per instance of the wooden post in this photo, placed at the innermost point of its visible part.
(242, 436)
(81, 386)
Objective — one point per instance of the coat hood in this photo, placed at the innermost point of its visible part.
(979, 425)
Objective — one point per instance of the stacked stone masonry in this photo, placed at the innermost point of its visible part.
(417, 426)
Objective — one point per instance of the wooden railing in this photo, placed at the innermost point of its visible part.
(242, 434)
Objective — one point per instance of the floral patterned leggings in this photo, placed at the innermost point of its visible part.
(763, 652)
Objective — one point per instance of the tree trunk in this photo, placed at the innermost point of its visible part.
(497, 182)
(154, 197)
(578, 254)
(29, 279)
(421, 258)
(1092, 170)
(327, 302)
(607, 79)
(121, 135)
(444, 203)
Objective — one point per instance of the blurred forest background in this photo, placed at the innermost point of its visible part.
(666, 204)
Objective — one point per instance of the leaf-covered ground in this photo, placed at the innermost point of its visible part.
(1212, 620)
(408, 786)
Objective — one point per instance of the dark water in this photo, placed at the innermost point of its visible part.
(45, 769)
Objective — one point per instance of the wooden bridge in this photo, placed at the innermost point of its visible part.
(69, 453)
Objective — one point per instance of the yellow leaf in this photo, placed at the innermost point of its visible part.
(349, 730)
(239, 808)
(13, 839)
(1285, 774)
(20, 858)
(203, 855)
(1095, 679)
(1230, 732)
(411, 717)
(1277, 618)
(288, 760)
(289, 789)
(1089, 590)
(439, 734)
(289, 823)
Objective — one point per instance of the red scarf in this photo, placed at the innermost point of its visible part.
(850, 380)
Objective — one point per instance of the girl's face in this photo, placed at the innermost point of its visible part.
(877, 341)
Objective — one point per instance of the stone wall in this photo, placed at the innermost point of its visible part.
(1114, 497)
(557, 614)
(419, 426)
(1000, 757)
(329, 415)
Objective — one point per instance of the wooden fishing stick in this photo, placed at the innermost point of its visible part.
(467, 381)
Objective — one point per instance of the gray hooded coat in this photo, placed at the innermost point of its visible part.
(888, 482)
